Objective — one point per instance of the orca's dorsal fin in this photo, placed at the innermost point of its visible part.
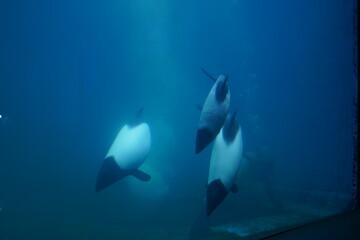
(137, 119)
(140, 175)
(209, 75)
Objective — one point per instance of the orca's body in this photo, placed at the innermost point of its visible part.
(224, 163)
(129, 150)
(213, 113)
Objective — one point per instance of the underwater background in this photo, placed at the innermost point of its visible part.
(72, 73)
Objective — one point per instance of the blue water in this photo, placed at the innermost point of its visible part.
(72, 73)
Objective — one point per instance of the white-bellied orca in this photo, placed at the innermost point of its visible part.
(224, 163)
(129, 150)
(213, 112)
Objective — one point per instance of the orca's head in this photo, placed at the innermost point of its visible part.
(222, 88)
(230, 128)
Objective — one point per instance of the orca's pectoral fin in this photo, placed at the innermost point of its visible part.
(234, 188)
(209, 75)
(142, 176)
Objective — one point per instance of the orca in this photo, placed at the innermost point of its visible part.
(128, 151)
(224, 163)
(213, 112)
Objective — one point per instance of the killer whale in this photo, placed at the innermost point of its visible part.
(213, 113)
(224, 163)
(128, 151)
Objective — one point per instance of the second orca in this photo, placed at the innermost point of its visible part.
(213, 112)
(224, 163)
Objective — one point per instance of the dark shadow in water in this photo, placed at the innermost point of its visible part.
(200, 228)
